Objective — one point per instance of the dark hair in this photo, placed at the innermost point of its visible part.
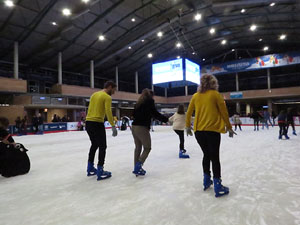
(110, 84)
(146, 94)
(180, 109)
(4, 122)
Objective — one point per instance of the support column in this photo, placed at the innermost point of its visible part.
(117, 77)
(270, 106)
(269, 79)
(136, 82)
(166, 92)
(237, 82)
(248, 109)
(186, 91)
(92, 77)
(59, 68)
(152, 87)
(238, 107)
(16, 60)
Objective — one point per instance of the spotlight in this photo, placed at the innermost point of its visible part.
(66, 12)
(272, 4)
(101, 38)
(282, 37)
(133, 20)
(266, 48)
(253, 27)
(142, 40)
(212, 30)
(260, 39)
(159, 34)
(150, 55)
(198, 17)
(178, 45)
(129, 47)
(243, 10)
(178, 57)
(194, 53)
(9, 3)
(233, 50)
(223, 42)
(54, 23)
(203, 59)
(85, 1)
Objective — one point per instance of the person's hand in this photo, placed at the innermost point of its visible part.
(231, 133)
(114, 131)
(189, 131)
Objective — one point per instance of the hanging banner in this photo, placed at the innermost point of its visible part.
(261, 62)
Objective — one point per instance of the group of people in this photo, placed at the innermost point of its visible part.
(211, 119)
(21, 125)
(57, 118)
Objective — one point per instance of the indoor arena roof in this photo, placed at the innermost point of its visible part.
(128, 32)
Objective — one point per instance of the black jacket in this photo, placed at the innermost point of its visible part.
(143, 113)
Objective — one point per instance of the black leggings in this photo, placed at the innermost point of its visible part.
(209, 142)
(235, 126)
(256, 124)
(290, 123)
(181, 138)
(282, 129)
(97, 134)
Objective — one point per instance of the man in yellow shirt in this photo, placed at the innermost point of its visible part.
(99, 107)
(211, 119)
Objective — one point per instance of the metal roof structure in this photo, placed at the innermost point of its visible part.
(130, 30)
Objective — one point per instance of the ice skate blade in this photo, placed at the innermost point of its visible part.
(221, 194)
(184, 157)
(89, 174)
(103, 178)
(138, 174)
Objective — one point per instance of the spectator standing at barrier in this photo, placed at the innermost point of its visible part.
(282, 122)
(178, 120)
(81, 124)
(18, 122)
(64, 119)
(35, 124)
(99, 107)
(40, 123)
(24, 125)
(55, 119)
(144, 110)
(211, 119)
(290, 121)
(237, 121)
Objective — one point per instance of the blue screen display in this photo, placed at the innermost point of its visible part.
(167, 71)
(192, 72)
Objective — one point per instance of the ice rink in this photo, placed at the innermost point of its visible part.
(262, 172)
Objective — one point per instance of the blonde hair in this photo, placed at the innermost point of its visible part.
(208, 82)
(146, 94)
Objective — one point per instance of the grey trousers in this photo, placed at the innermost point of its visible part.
(142, 138)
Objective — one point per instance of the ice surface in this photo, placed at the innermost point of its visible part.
(261, 171)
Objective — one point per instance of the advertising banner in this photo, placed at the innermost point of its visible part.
(72, 126)
(261, 62)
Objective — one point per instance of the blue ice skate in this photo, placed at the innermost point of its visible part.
(183, 155)
(207, 182)
(91, 170)
(280, 137)
(138, 170)
(101, 174)
(286, 137)
(220, 190)
(294, 133)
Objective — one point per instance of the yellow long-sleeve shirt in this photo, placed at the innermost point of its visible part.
(210, 112)
(100, 105)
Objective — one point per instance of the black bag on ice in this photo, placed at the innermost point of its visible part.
(13, 160)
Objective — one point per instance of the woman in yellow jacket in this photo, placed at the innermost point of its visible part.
(211, 119)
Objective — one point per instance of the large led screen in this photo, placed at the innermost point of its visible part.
(167, 71)
(192, 72)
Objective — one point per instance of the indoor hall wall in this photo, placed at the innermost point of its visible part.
(13, 85)
(12, 112)
(58, 112)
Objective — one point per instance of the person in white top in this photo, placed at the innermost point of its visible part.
(178, 120)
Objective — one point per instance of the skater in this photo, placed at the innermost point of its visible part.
(100, 106)
(125, 122)
(178, 120)
(282, 121)
(40, 124)
(211, 119)
(237, 121)
(266, 119)
(290, 121)
(18, 125)
(24, 125)
(144, 110)
(256, 117)
(274, 117)
(35, 124)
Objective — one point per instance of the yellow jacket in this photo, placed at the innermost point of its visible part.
(210, 112)
(100, 105)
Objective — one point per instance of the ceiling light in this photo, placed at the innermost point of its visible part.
(159, 34)
(9, 3)
(223, 42)
(150, 55)
(133, 20)
(253, 27)
(142, 40)
(54, 23)
(178, 57)
(85, 1)
(243, 10)
(272, 4)
(194, 53)
(101, 37)
(129, 47)
(282, 37)
(233, 50)
(260, 39)
(198, 17)
(66, 12)
(212, 30)
(266, 48)
(203, 59)
(178, 45)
